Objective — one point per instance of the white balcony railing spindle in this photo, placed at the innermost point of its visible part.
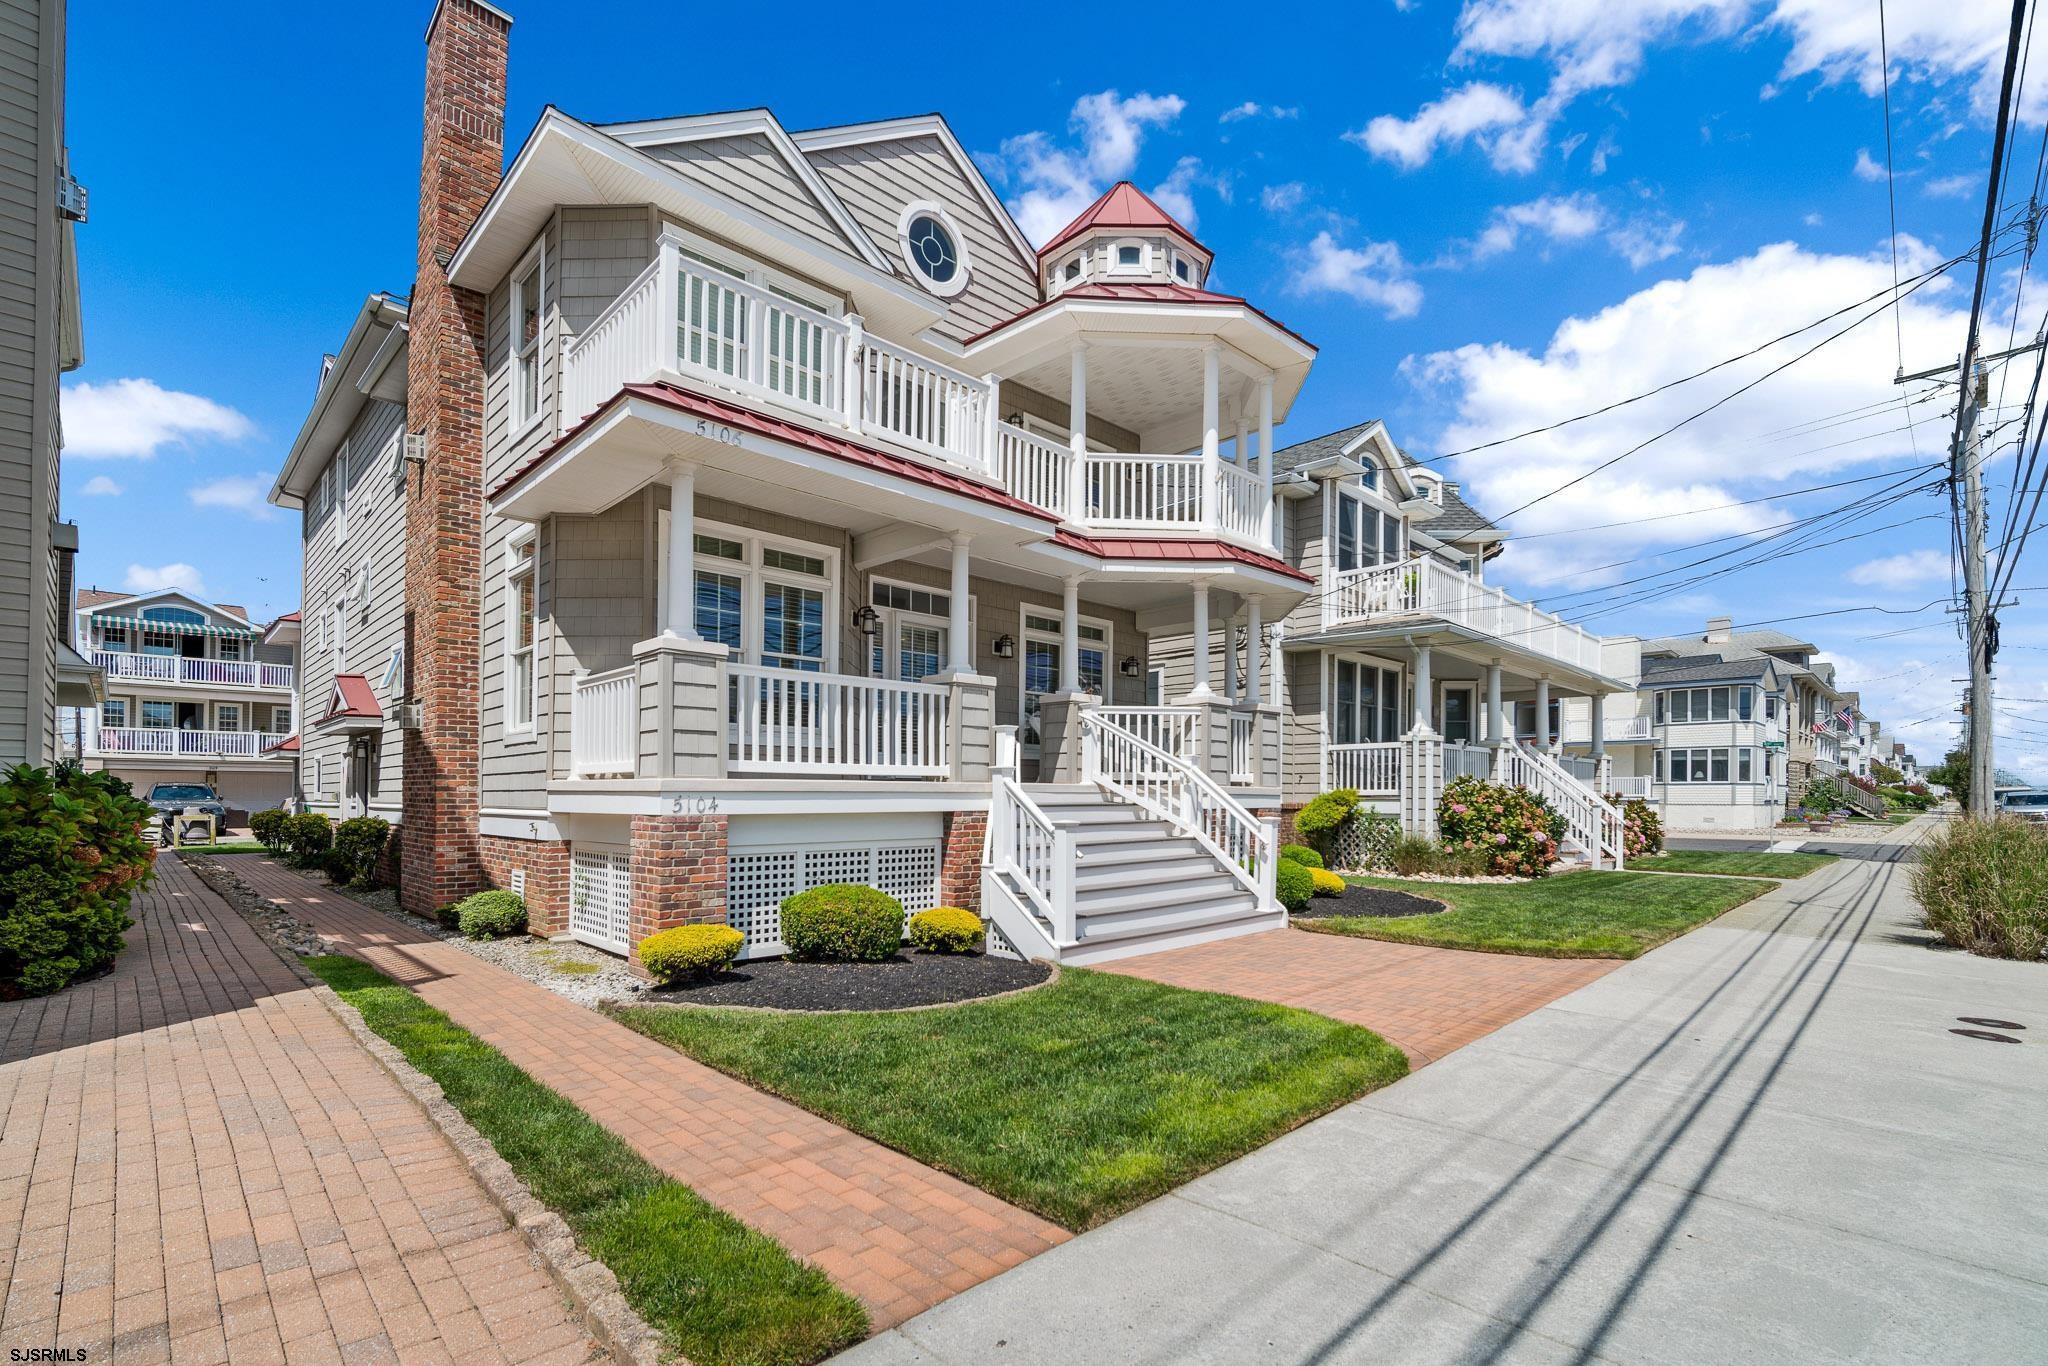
(793, 721)
(604, 724)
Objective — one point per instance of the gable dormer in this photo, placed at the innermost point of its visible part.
(1123, 238)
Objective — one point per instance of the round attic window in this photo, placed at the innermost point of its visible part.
(933, 250)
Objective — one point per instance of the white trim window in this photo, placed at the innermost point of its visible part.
(934, 248)
(227, 716)
(912, 630)
(339, 469)
(768, 599)
(340, 611)
(525, 320)
(521, 678)
(114, 713)
(1038, 673)
(1365, 702)
(1364, 533)
(1720, 764)
(1130, 257)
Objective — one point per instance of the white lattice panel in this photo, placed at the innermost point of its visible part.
(601, 898)
(758, 883)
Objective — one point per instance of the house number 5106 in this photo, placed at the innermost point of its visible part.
(717, 432)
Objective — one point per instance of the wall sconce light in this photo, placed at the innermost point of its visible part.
(867, 619)
(1005, 647)
(1128, 667)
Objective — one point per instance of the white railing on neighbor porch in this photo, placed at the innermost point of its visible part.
(1371, 770)
(1244, 751)
(604, 724)
(121, 666)
(1589, 819)
(1427, 587)
(681, 317)
(791, 721)
(1179, 792)
(1578, 730)
(1630, 785)
(185, 744)
(1170, 728)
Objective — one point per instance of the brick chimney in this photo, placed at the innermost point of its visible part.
(461, 162)
(1719, 629)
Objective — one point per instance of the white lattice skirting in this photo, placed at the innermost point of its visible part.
(759, 881)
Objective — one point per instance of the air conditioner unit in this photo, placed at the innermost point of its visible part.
(71, 198)
(416, 447)
(407, 714)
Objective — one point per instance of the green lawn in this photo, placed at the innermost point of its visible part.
(1079, 1100)
(1733, 862)
(1578, 915)
(224, 847)
(719, 1291)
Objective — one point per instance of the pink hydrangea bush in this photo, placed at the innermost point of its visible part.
(1642, 829)
(1514, 829)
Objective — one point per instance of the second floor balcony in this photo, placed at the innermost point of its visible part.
(1425, 589)
(682, 321)
(168, 742)
(123, 667)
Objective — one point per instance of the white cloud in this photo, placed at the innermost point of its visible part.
(1604, 151)
(1559, 218)
(1749, 448)
(1867, 167)
(136, 418)
(99, 486)
(1283, 198)
(1373, 274)
(1480, 111)
(1902, 570)
(141, 578)
(1952, 186)
(241, 493)
(1646, 241)
(1176, 193)
(1059, 182)
(1251, 109)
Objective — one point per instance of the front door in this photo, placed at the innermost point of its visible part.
(1457, 717)
(191, 716)
(355, 798)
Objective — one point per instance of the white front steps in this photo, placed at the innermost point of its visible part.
(1138, 886)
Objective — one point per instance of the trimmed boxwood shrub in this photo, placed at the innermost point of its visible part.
(946, 929)
(1983, 886)
(268, 828)
(1324, 817)
(491, 915)
(842, 922)
(1292, 884)
(1301, 854)
(72, 853)
(1325, 883)
(307, 838)
(690, 951)
(1513, 827)
(358, 844)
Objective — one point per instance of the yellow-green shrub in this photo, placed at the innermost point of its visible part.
(690, 951)
(1292, 884)
(1325, 883)
(1301, 854)
(843, 922)
(946, 929)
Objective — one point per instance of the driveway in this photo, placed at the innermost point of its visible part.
(1761, 1142)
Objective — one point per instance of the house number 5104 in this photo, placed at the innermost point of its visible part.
(693, 806)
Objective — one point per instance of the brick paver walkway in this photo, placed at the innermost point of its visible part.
(199, 1163)
(1427, 1001)
(890, 1230)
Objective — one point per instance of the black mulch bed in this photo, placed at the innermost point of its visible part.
(1382, 902)
(909, 979)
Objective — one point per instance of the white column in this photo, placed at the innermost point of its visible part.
(1266, 458)
(1230, 657)
(1240, 454)
(1424, 686)
(1276, 663)
(1543, 715)
(1070, 636)
(1077, 430)
(1212, 357)
(1254, 651)
(1201, 643)
(682, 545)
(959, 634)
(1599, 724)
(1495, 726)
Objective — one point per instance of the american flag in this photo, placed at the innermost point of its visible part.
(1820, 727)
(1847, 716)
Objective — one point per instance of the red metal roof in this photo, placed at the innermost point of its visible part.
(1144, 292)
(288, 745)
(288, 616)
(1123, 205)
(352, 700)
(733, 415)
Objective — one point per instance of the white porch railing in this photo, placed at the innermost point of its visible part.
(1427, 587)
(1145, 492)
(1244, 751)
(1578, 730)
(791, 721)
(1371, 770)
(1589, 819)
(1630, 785)
(1181, 793)
(1039, 471)
(1172, 729)
(192, 744)
(121, 666)
(604, 724)
(1240, 502)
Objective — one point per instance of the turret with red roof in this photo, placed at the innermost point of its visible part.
(1123, 239)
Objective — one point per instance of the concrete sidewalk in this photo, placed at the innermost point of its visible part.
(1759, 1143)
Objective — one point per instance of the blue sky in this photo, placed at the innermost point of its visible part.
(1488, 218)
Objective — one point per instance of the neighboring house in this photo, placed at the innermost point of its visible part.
(41, 340)
(762, 510)
(1404, 637)
(346, 472)
(195, 692)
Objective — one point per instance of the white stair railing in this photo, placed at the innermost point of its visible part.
(1182, 794)
(1173, 729)
(1036, 855)
(1589, 818)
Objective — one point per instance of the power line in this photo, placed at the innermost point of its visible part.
(1722, 507)
(1891, 193)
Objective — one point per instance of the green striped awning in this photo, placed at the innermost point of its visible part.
(181, 627)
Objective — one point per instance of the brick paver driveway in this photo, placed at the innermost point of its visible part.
(199, 1163)
(1426, 1001)
(885, 1227)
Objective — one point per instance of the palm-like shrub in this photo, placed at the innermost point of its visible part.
(1983, 886)
(1516, 829)
(72, 853)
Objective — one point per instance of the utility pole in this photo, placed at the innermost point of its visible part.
(1969, 472)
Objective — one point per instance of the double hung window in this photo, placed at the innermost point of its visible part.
(520, 682)
(1366, 703)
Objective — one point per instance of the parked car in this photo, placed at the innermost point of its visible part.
(172, 800)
